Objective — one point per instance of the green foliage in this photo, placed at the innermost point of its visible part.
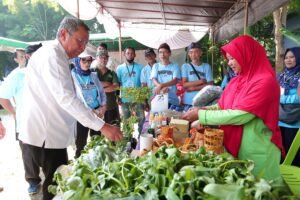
(294, 6)
(34, 20)
(31, 20)
(6, 62)
(136, 95)
(128, 125)
(262, 31)
(292, 36)
(105, 172)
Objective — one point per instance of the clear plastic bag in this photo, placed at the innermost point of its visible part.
(207, 95)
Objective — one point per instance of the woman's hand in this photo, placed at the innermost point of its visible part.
(191, 115)
(196, 124)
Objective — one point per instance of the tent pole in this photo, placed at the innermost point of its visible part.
(246, 17)
(78, 9)
(120, 42)
(212, 45)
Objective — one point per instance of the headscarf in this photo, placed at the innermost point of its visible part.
(254, 90)
(78, 69)
(288, 79)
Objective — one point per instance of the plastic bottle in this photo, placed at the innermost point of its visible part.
(156, 120)
(151, 118)
(160, 118)
(164, 119)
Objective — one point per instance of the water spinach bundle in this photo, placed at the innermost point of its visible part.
(105, 171)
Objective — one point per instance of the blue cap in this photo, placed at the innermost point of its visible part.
(193, 45)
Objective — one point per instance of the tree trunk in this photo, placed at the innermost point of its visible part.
(279, 17)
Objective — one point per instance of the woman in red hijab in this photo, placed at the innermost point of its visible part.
(248, 108)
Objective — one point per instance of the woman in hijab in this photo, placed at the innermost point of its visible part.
(248, 108)
(289, 112)
(89, 89)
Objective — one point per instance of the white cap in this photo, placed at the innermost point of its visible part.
(85, 54)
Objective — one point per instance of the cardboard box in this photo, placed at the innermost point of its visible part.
(180, 129)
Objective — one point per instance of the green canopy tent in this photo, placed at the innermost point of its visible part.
(10, 45)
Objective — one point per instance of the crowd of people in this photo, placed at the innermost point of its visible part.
(258, 111)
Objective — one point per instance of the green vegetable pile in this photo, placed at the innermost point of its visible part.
(104, 171)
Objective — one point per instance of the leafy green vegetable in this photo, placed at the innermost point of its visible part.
(105, 171)
(225, 192)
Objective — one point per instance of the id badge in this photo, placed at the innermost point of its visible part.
(281, 91)
(130, 83)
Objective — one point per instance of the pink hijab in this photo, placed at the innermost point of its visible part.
(254, 90)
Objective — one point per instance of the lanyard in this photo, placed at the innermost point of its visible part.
(81, 80)
(130, 74)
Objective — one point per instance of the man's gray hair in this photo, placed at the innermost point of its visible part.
(71, 24)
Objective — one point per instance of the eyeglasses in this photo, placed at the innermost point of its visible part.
(79, 40)
(103, 57)
(86, 60)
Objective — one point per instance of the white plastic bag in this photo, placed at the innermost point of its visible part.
(159, 103)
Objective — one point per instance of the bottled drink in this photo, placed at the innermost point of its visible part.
(164, 119)
(156, 120)
(151, 118)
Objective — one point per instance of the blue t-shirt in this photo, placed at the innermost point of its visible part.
(89, 91)
(12, 87)
(166, 73)
(291, 98)
(146, 76)
(129, 76)
(203, 70)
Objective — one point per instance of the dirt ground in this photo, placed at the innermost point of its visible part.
(11, 165)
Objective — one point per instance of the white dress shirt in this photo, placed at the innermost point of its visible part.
(50, 107)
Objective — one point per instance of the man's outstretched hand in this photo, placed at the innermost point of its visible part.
(111, 132)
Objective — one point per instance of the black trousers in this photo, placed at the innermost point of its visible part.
(288, 135)
(49, 160)
(81, 138)
(112, 116)
(31, 167)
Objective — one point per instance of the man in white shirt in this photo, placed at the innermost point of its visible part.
(50, 106)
